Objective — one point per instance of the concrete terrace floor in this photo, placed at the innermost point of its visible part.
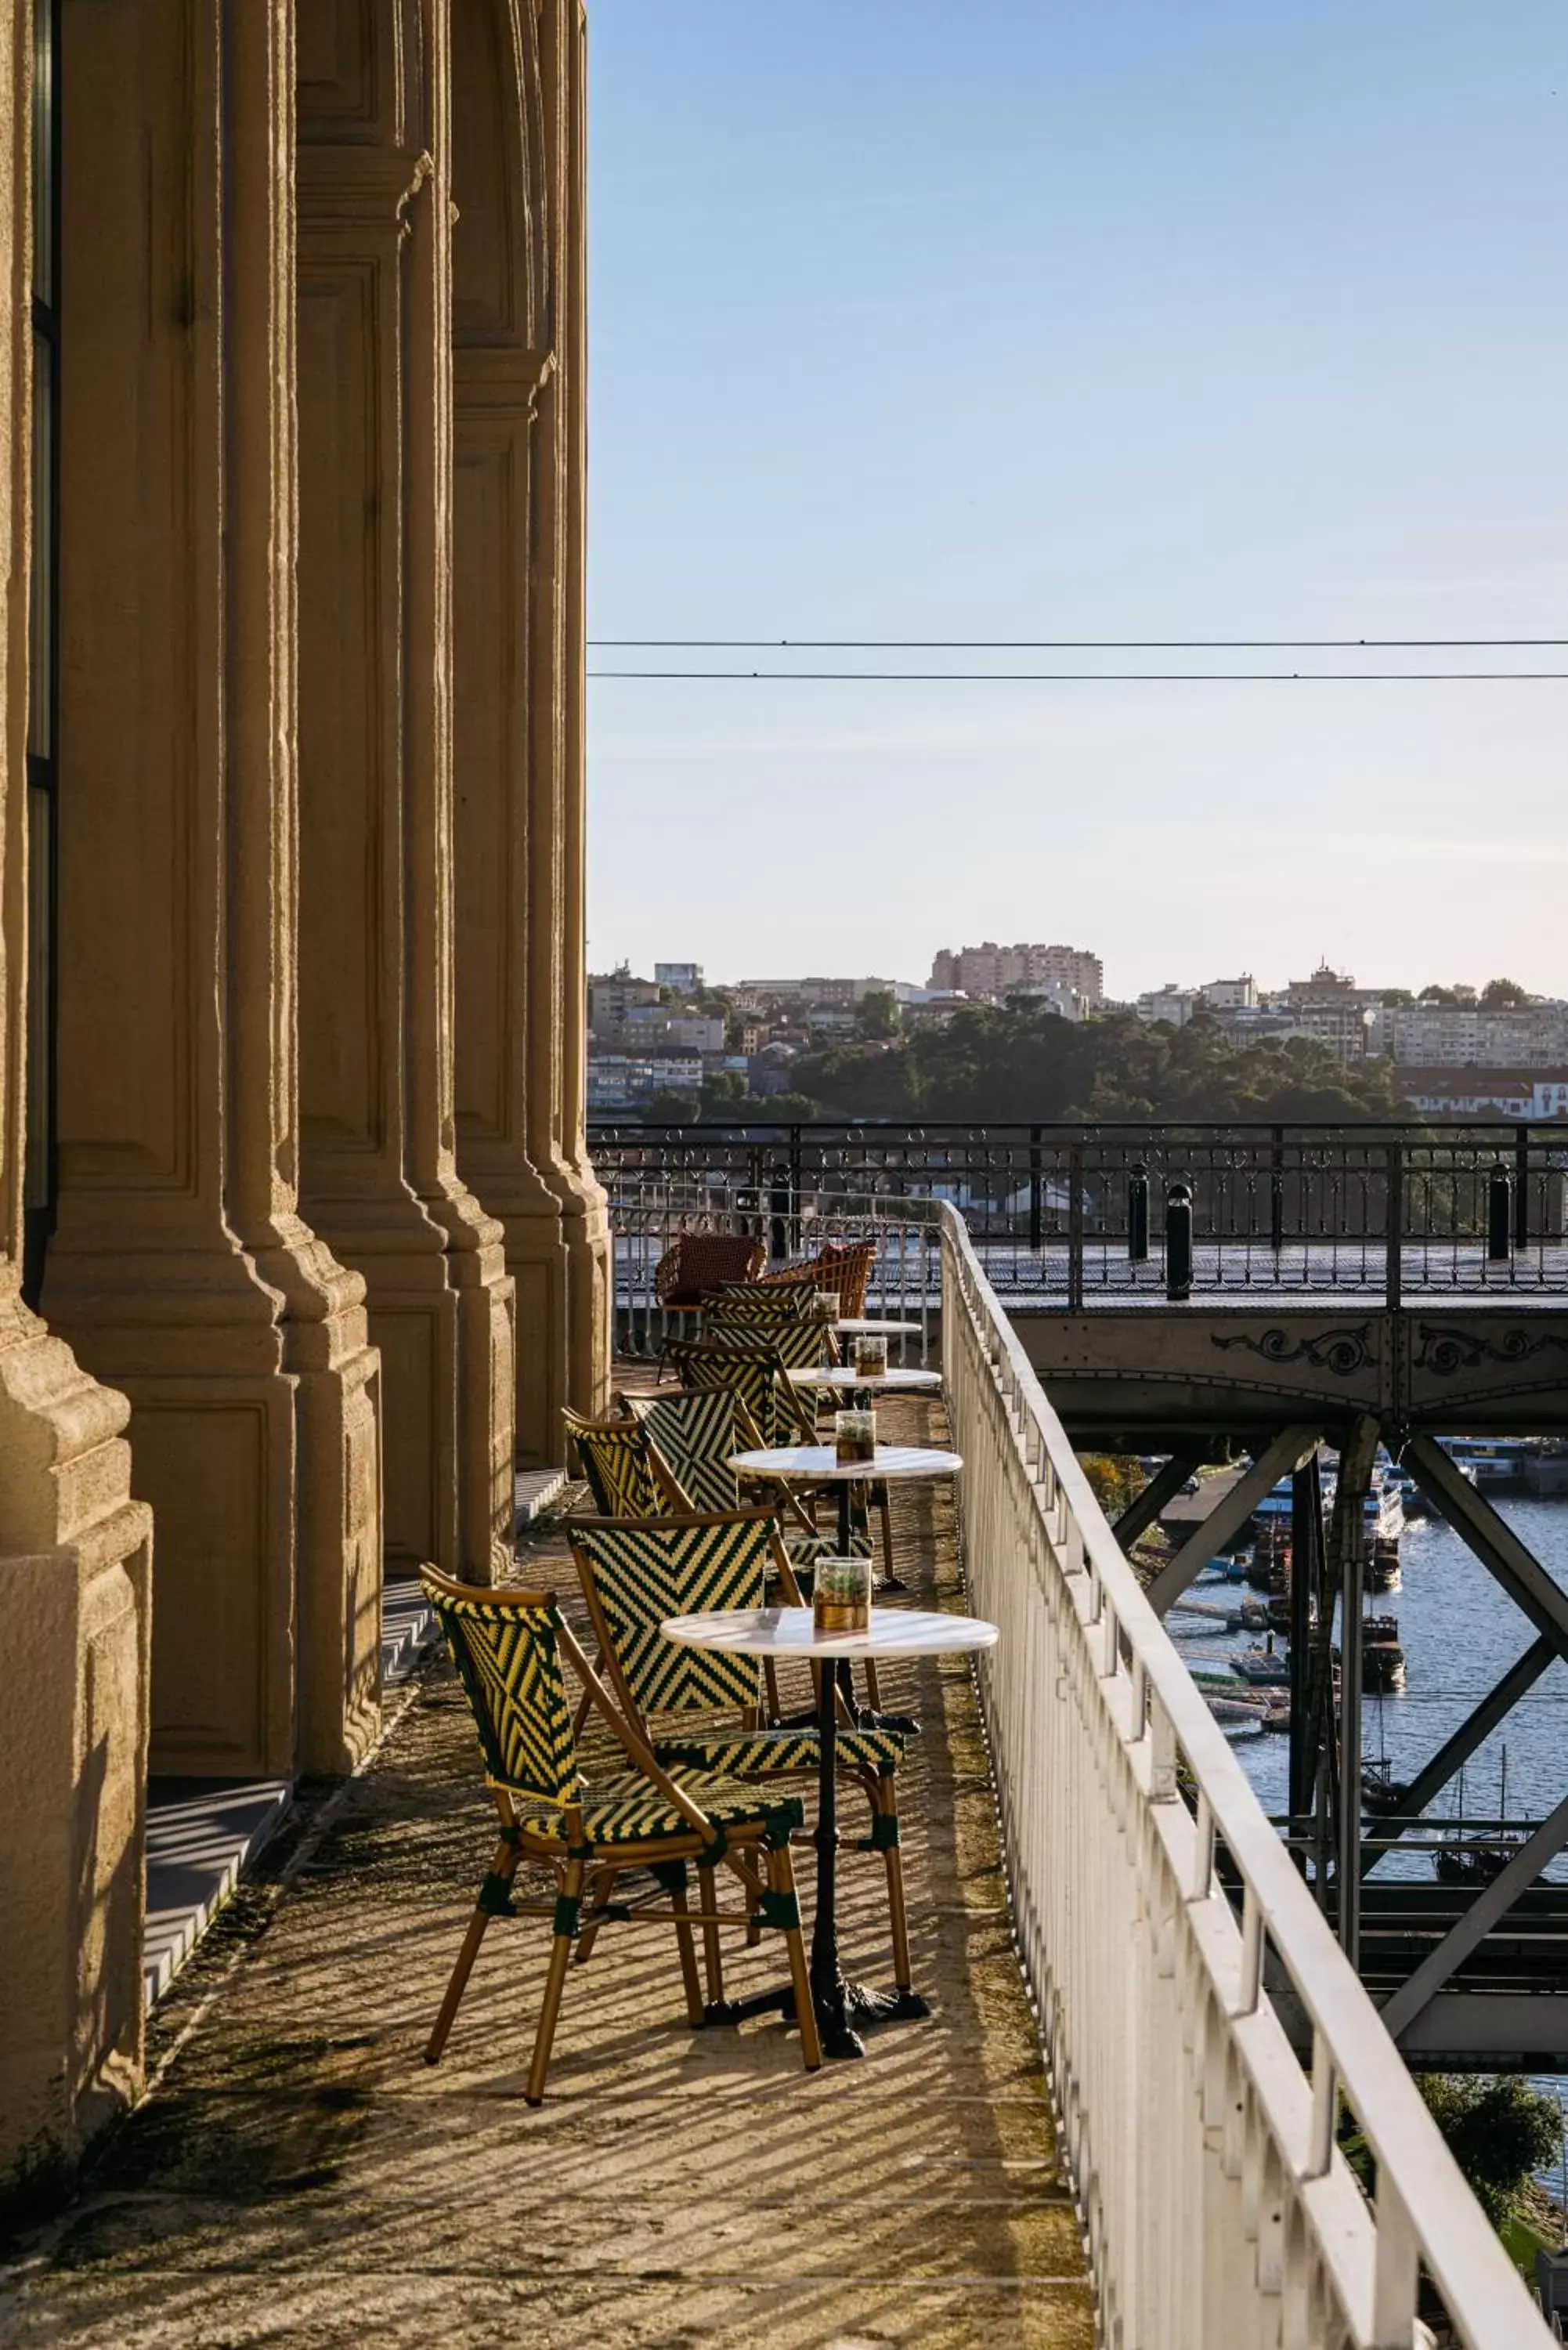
(298, 2176)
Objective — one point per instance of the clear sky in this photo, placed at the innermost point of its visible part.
(1116, 318)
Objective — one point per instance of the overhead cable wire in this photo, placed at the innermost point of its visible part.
(1074, 644)
(1093, 677)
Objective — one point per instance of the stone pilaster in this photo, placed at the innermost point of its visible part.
(74, 1547)
(181, 1267)
(519, 517)
(376, 728)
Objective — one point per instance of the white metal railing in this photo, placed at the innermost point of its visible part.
(1220, 2213)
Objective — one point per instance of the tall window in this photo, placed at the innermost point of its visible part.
(39, 1185)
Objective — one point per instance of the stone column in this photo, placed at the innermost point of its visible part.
(375, 400)
(74, 1547)
(181, 1266)
(519, 972)
(586, 1208)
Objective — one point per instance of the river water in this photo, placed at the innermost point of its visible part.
(1460, 1632)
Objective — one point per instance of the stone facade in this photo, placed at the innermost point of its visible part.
(327, 1255)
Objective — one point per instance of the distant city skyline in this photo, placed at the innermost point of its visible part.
(1138, 323)
(1271, 979)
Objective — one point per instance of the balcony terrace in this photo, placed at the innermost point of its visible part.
(299, 2175)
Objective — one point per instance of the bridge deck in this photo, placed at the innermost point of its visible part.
(299, 2175)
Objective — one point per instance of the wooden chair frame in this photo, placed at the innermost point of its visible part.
(577, 1862)
(881, 1791)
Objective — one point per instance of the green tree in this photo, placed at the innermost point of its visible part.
(721, 1093)
(670, 1108)
(1115, 1480)
(1019, 1064)
(1395, 995)
(1502, 995)
(1498, 2129)
(877, 1014)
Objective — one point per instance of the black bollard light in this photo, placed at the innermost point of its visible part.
(1138, 1214)
(779, 1207)
(1499, 1214)
(1177, 1242)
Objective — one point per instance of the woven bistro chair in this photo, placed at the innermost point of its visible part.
(691, 1434)
(697, 1263)
(507, 1645)
(613, 1457)
(752, 1368)
(784, 1413)
(633, 1577)
(800, 1342)
(692, 1268)
(844, 1265)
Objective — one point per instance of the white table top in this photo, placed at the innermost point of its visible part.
(847, 1376)
(877, 1329)
(789, 1632)
(819, 1463)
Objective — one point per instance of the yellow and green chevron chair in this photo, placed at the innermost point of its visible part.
(692, 1435)
(800, 1342)
(761, 1301)
(613, 1456)
(636, 1576)
(507, 1645)
(782, 1413)
(752, 1368)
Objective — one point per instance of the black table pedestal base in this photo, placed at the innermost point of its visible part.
(841, 2005)
(849, 2006)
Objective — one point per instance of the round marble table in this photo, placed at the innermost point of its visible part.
(818, 1464)
(789, 1632)
(847, 1379)
(855, 1326)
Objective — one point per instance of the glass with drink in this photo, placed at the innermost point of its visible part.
(854, 1436)
(841, 1596)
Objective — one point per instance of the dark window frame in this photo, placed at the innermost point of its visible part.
(41, 1158)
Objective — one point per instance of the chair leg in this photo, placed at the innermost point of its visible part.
(599, 1893)
(555, 1983)
(712, 1953)
(886, 1802)
(505, 1867)
(686, 1943)
(873, 1687)
(781, 1877)
(889, 1572)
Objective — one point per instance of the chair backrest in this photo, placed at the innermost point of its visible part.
(755, 1374)
(698, 1262)
(844, 1265)
(614, 1457)
(693, 1431)
(801, 1343)
(502, 1643)
(761, 1301)
(635, 1577)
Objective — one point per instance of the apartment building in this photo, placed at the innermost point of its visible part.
(1466, 1035)
(990, 972)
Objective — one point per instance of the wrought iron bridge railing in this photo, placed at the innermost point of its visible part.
(1078, 1215)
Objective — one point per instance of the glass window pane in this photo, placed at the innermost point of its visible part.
(41, 642)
